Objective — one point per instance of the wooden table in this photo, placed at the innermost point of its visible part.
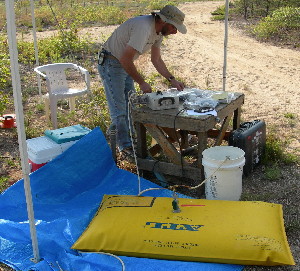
(169, 127)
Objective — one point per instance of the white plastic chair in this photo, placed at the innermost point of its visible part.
(58, 87)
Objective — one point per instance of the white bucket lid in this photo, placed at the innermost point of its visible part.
(220, 153)
(223, 157)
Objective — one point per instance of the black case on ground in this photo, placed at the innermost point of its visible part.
(251, 138)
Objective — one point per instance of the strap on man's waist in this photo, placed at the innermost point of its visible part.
(108, 54)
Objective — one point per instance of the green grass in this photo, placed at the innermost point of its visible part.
(3, 182)
(275, 151)
(290, 116)
(273, 172)
(257, 197)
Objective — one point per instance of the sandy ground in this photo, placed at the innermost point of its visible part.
(269, 76)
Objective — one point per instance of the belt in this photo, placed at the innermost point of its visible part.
(110, 57)
(108, 54)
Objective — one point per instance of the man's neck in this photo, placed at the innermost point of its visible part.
(158, 25)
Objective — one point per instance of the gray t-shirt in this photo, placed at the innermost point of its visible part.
(138, 32)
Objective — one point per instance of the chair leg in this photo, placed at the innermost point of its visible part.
(53, 108)
(72, 103)
(47, 105)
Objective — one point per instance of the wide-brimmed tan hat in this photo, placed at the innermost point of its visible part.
(172, 15)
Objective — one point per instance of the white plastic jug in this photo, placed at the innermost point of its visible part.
(223, 169)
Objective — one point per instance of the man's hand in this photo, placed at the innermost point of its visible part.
(161, 67)
(177, 84)
(145, 87)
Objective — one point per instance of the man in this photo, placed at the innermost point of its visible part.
(116, 66)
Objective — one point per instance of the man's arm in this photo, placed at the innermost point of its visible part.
(161, 67)
(126, 61)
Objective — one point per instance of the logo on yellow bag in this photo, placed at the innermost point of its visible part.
(173, 226)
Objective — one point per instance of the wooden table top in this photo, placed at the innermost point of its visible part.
(181, 120)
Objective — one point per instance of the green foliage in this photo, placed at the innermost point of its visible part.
(26, 52)
(291, 119)
(11, 163)
(51, 14)
(93, 14)
(4, 102)
(54, 49)
(32, 132)
(63, 12)
(262, 8)
(219, 13)
(40, 107)
(290, 116)
(99, 115)
(281, 21)
(44, 17)
(272, 172)
(109, 15)
(3, 183)
(158, 4)
(275, 151)
(5, 80)
(65, 119)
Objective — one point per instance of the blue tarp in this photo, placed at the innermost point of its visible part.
(66, 194)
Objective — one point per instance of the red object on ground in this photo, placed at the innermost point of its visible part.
(8, 121)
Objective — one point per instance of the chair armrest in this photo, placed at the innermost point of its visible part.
(40, 73)
(86, 74)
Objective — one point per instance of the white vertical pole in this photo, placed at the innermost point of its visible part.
(36, 51)
(16, 82)
(225, 44)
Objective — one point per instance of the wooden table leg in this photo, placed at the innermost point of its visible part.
(142, 140)
(222, 131)
(237, 118)
(202, 145)
(184, 139)
(169, 150)
(174, 136)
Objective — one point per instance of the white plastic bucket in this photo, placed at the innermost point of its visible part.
(223, 169)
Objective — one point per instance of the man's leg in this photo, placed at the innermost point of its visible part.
(114, 80)
(129, 88)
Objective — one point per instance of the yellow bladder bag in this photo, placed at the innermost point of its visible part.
(236, 232)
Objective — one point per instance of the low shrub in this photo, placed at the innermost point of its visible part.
(67, 44)
(280, 23)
